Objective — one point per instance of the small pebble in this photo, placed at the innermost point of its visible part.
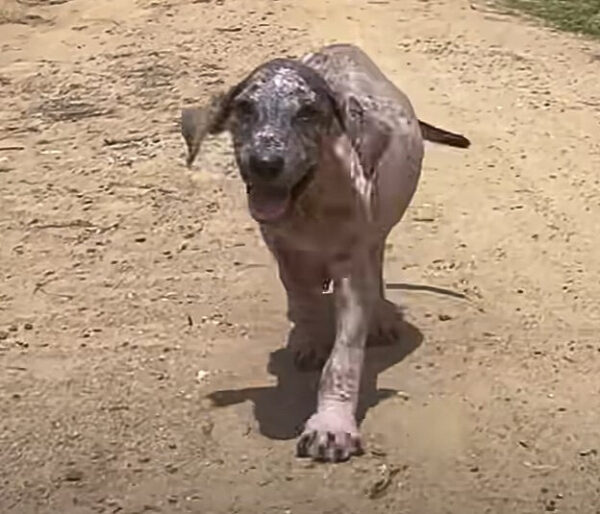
(201, 375)
(588, 452)
(74, 475)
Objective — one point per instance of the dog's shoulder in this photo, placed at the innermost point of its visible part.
(352, 74)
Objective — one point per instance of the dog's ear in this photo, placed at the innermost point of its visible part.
(198, 122)
(369, 134)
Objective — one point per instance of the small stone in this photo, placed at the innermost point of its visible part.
(444, 317)
(201, 375)
(588, 452)
(140, 239)
(13, 328)
(171, 468)
(74, 475)
(28, 326)
(3, 335)
(207, 428)
(376, 451)
(113, 502)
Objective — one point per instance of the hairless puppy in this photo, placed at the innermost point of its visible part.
(330, 151)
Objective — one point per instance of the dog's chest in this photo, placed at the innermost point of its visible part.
(329, 218)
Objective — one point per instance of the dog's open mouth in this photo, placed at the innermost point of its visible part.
(269, 204)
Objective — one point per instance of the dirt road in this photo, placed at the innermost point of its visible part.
(141, 319)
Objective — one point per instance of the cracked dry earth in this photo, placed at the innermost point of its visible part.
(141, 318)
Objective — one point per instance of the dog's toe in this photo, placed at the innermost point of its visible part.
(329, 437)
(310, 346)
(308, 359)
(386, 325)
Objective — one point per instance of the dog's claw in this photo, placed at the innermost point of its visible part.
(330, 436)
(310, 347)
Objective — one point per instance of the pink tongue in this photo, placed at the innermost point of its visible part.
(267, 204)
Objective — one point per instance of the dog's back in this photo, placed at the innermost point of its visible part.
(350, 71)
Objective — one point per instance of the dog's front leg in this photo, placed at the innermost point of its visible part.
(331, 433)
(303, 275)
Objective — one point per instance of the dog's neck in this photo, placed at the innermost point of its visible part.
(338, 183)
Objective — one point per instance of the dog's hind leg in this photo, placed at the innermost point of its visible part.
(387, 317)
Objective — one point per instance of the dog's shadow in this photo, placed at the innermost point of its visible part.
(281, 410)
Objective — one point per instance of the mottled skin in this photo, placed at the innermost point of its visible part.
(331, 152)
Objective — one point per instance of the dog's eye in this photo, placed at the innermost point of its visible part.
(307, 113)
(244, 108)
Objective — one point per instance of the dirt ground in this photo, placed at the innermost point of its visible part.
(141, 319)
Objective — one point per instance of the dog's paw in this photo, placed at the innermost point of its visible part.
(330, 435)
(386, 326)
(310, 347)
(309, 359)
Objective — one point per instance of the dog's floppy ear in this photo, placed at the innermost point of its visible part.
(198, 122)
(369, 134)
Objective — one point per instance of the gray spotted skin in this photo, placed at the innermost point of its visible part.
(279, 113)
(331, 153)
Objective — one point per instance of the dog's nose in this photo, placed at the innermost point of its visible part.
(266, 166)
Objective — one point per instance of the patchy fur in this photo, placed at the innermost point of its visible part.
(330, 151)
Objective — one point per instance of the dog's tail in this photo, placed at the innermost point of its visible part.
(438, 135)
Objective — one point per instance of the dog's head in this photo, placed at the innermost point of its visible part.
(278, 116)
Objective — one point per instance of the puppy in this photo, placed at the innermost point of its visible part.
(330, 151)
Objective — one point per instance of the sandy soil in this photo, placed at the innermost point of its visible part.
(141, 319)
